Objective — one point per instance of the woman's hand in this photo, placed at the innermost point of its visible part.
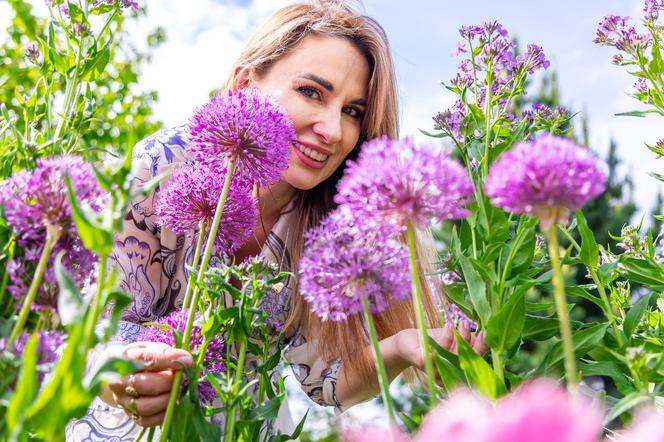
(144, 395)
(409, 346)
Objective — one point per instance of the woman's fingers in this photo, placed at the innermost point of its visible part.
(443, 336)
(151, 421)
(158, 356)
(144, 405)
(145, 383)
(478, 343)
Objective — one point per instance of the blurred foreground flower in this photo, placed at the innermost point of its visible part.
(49, 347)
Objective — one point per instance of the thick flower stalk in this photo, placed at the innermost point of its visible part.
(407, 185)
(215, 351)
(348, 269)
(243, 131)
(547, 179)
(36, 208)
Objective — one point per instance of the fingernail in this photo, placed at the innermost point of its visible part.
(185, 359)
(448, 326)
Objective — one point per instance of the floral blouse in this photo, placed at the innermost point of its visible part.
(151, 261)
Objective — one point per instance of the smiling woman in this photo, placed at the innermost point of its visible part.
(330, 69)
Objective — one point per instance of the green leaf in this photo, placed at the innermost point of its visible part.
(642, 271)
(26, 387)
(447, 364)
(268, 409)
(504, 328)
(294, 435)
(110, 370)
(476, 289)
(95, 239)
(584, 340)
(640, 114)
(589, 253)
(95, 66)
(478, 372)
(70, 303)
(625, 404)
(635, 314)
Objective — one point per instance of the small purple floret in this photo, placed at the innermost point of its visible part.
(401, 182)
(191, 196)
(343, 263)
(214, 354)
(546, 178)
(245, 124)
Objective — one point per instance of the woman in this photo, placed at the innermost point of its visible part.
(330, 68)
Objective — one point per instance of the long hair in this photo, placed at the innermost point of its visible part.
(276, 38)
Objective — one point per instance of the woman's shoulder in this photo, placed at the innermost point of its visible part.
(162, 148)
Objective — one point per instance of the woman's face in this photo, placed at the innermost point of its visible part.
(323, 85)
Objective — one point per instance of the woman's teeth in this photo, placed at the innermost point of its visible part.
(311, 153)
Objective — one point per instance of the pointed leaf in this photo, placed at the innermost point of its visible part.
(504, 328)
(476, 289)
(478, 372)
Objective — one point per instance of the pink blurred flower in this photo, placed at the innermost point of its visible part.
(463, 417)
(375, 434)
(542, 411)
(648, 426)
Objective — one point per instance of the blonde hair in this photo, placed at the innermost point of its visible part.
(276, 38)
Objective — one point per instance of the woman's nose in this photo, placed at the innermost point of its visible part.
(328, 127)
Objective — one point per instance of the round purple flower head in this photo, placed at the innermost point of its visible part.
(401, 182)
(245, 124)
(214, 354)
(49, 348)
(34, 199)
(191, 196)
(343, 263)
(546, 178)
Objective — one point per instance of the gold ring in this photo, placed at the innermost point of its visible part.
(130, 389)
(133, 408)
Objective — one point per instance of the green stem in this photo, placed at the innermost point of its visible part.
(151, 434)
(51, 239)
(231, 414)
(487, 141)
(202, 227)
(96, 302)
(5, 278)
(497, 360)
(561, 309)
(508, 262)
(420, 315)
(209, 245)
(383, 380)
(607, 306)
(140, 435)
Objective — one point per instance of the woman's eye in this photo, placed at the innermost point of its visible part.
(308, 92)
(353, 112)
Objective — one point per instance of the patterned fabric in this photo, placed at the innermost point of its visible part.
(151, 264)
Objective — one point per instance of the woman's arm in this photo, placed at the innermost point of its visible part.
(400, 351)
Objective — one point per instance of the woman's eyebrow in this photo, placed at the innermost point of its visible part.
(328, 86)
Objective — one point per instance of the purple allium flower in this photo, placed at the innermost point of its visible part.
(49, 348)
(342, 263)
(403, 182)
(34, 199)
(214, 354)
(245, 124)
(191, 196)
(32, 52)
(546, 178)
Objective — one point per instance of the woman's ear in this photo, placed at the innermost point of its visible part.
(241, 78)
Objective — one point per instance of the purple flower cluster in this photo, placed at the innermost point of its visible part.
(245, 125)
(455, 316)
(452, 119)
(49, 347)
(124, 4)
(34, 199)
(546, 178)
(401, 182)
(344, 263)
(618, 31)
(32, 52)
(191, 196)
(651, 9)
(214, 353)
